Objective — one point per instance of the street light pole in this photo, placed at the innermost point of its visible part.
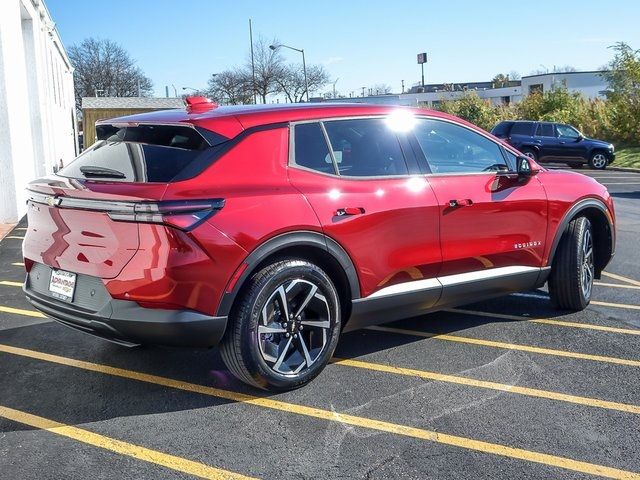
(304, 69)
(304, 64)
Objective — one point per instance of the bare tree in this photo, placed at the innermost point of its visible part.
(269, 66)
(380, 89)
(291, 82)
(104, 67)
(233, 87)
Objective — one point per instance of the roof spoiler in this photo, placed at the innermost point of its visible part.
(199, 104)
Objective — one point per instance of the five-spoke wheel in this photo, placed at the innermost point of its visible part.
(284, 327)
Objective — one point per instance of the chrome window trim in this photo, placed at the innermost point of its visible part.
(292, 163)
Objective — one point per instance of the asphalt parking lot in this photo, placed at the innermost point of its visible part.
(507, 388)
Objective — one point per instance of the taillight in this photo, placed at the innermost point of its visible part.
(182, 214)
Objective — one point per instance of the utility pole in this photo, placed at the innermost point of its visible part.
(253, 65)
(363, 91)
(334, 87)
(402, 86)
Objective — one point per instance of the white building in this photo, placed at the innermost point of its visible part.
(37, 110)
(590, 84)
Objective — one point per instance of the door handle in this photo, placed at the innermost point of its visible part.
(349, 211)
(464, 202)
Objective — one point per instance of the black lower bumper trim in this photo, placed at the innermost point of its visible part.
(128, 323)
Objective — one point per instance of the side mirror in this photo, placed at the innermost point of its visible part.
(525, 168)
(579, 138)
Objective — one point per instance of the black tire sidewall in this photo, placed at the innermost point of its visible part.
(285, 271)
(566, 280)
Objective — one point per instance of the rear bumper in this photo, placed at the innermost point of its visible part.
(128, 323)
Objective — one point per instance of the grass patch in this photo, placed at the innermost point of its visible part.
(627, 157)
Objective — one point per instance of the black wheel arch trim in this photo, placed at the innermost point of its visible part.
(571, 213)
(287, 240)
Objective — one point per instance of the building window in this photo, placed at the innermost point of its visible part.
(538, 87)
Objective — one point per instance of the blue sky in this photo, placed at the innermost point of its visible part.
(360, 42)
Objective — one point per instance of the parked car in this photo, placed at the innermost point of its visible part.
(555, 142)
(270, 229)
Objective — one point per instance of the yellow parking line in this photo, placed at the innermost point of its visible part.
(8, 283)
(18, 264)
(510, 346)
(20, 311)
(546, 321)
(118, 446)
(616, 285)
(14, 236)
(615, 305)
(615, 276)
(471, 382)
(333, 416)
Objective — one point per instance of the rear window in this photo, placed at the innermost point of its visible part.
(144, 153)
(522, 128)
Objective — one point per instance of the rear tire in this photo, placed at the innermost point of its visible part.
(572, 273)
(284, 326)
(598, 161)
(531, 153)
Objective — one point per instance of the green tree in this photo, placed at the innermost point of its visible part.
(623, 95)
(473, 109)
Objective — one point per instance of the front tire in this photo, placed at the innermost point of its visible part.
(284, 326)
(598, 161)
(572, 274)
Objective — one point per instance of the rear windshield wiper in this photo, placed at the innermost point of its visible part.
(95, 171)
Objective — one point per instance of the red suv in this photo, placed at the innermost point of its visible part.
(271, 229)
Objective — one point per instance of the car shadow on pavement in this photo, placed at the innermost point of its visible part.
(632, 195)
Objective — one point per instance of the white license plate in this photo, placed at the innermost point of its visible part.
(62, 284)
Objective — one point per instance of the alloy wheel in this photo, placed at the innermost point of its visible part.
(294, 327)
(587, 269)
(599, 161)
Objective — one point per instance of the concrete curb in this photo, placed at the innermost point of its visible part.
(623, 169)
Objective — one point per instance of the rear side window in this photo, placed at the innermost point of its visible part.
(545, 130)
(502, 129)
(143, 153)
(365, 148)
(311, 149)
(522, 128)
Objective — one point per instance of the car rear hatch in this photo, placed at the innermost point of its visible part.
(86, 218)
